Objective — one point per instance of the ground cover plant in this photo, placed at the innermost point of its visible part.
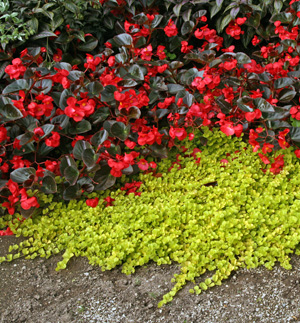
(214, 211)
(86, 109)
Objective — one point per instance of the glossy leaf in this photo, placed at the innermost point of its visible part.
(49, 185)
(20, 175)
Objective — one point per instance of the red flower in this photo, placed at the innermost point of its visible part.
(15, 70)
(57, 57)
(264, 158)
(39, 132)
(109, 201)
(160, 52)
(53, 166)
(3, 134)
(111, 61)
(227, 128)
(146, 53)
(161, 69)
(54, 140)
(19, 162)
(143, 164)
(7, 232)
(130, 144)
(255, 40)
(153, 164)
(92, 202)
(295, 112)
(234, 30)
(171, 29)
(251, 116)
(278, 164)
(238, 130)
(61, 77)
(91, 62)
(28, 203)
(297, 153)
(267, 148)
(180, 133)
(185, 48)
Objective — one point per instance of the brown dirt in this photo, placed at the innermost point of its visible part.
(32, 291)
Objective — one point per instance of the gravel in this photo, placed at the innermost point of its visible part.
(32, 291)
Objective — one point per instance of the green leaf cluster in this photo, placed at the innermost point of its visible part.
(206, 217)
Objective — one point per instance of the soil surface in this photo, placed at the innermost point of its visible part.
(32, 291)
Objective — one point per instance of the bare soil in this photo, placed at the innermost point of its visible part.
(32, 291)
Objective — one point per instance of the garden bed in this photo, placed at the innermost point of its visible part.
(32, 291)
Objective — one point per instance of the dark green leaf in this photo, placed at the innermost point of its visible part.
(140, 19)
(187, 27)
(174, 88)
(47, 129)
(10, 112)
(43, 34)
(156, 21)
(21, 175)
(244, 107)
(123, 40)
(188, 99)
(187, 15)
(57, 21)
(72, 192)
(80, 127)
(234, 12)
(159, 151)
(71, 6)
(3, 67)
(104, 179)
(131, 113)
(71, 174)
(100, 115)
(108, 22)
(136, 72)
(66, 93)
(277, 115)
(48, 185)
(79, 148)
(61, 121)
(263, 105)
(44, 150)
(286, 95)
(75, 75)
(278, 5)
(44, 86)
(175, 65)
(89, 45)
(16, 86)
(242, 58)
(33, 24)
(25, 138)
(95, 88)
(177, 8)
(283, 82)
(107, 95)
(214, 10)
(161, 113)
(120, 130)
(295, 134)
(225, 21)
(65, 162)
(99, 138)
(89, 157)
(225, 106)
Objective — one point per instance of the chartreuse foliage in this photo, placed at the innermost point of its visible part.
(206, 216)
